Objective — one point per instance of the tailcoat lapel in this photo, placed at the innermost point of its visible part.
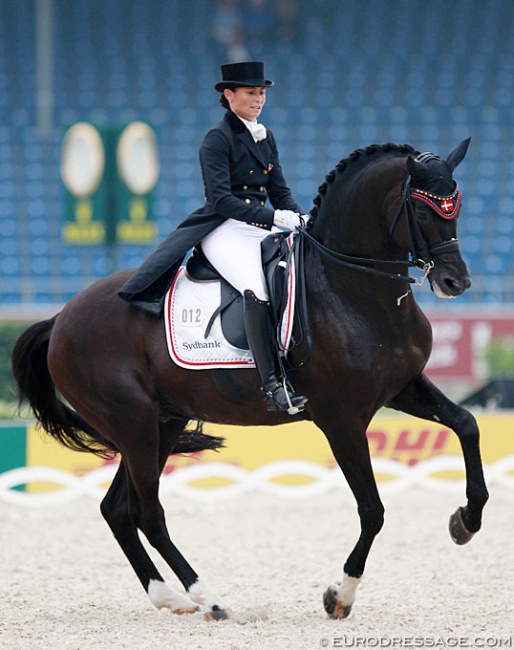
(243, 134)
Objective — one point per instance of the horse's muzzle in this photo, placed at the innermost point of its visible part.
(446, 285)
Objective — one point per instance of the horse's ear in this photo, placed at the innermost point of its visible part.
(416, 168)
(458, 154)
(411, 165)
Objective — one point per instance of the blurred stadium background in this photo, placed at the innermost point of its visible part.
(348, 73)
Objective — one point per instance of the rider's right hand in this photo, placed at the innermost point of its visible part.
(287, 219)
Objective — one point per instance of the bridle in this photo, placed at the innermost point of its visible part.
(447, 207)
(421, 255)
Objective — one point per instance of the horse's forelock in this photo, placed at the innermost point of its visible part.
(351, 160)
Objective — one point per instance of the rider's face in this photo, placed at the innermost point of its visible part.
(246, 102)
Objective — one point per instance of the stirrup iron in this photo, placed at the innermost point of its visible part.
(294, 403)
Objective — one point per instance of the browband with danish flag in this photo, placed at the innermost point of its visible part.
(445, 206)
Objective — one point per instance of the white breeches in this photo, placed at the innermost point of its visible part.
(234, 249)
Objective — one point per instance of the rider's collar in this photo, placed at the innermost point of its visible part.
(257, 130)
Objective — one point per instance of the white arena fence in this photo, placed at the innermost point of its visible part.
(398, 478)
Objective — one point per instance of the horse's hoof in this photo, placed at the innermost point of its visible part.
(458, 531)
(333, 607)
(216, 614)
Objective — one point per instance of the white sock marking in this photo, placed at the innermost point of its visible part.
(347, 590)
(161, 595)
(202, 594)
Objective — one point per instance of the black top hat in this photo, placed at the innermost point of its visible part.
(249, 73)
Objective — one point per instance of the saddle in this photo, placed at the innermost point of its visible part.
(275, 262)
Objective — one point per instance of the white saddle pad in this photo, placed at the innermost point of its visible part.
(188, 308)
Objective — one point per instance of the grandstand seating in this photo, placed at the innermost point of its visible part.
(358, 72)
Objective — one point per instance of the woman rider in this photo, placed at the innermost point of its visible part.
(240, 170)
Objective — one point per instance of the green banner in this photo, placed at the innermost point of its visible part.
(109, 173)
(13, 443)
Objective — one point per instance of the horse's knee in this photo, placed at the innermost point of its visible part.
(466, 427)
(372, 518)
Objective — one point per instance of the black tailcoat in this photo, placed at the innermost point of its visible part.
(238, 175)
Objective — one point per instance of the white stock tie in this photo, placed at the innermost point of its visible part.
(257, 130)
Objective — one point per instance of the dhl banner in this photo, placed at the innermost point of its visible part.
(295, 454)
(396, 437)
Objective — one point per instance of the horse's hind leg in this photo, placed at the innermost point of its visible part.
(352, 455)
(132, 503)
(422, 399)
(117, 509)
(197, 589)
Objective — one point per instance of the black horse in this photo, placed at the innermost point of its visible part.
(362, 343)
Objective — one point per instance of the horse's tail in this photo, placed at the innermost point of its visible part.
(192, 440)
(36, 387)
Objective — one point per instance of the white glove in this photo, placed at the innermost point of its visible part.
(286, 219)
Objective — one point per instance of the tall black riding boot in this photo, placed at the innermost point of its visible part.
(259, 332)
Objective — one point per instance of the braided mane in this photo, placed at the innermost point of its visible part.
(351, 159)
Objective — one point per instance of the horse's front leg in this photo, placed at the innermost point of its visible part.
(350, 449)
(424, 400)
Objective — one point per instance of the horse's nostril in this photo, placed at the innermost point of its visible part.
(456, 287)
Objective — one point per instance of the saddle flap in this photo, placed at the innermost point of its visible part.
(190, 306)
(232, 317)
(275, 252)
(273, 246)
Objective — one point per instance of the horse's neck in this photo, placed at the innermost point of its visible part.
(356, 288)
(355, 218)
(354, 233)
